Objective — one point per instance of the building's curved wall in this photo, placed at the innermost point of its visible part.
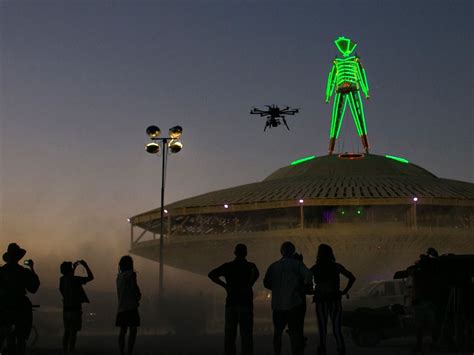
(373, 251)
(364, 208)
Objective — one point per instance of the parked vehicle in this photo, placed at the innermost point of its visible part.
(384, 309)
(377, 294)
(376, 312)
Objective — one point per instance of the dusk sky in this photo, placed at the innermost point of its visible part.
(81, 81)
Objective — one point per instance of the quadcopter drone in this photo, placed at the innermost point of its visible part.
(274, 115)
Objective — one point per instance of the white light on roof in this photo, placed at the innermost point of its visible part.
(226, 205)
(415, 199)
(301, 200)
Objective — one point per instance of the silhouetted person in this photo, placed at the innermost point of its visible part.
(305, 290)
(425, 290)
(240, 276)
(286, 278)
(128, 301)
(327, 296)
(74, 296)
(16, 308)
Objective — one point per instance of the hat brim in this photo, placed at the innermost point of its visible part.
(7, 257)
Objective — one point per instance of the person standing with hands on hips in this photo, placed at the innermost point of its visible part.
(240, 276)
(327, 296)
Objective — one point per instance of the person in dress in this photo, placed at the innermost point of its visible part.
(128, 292)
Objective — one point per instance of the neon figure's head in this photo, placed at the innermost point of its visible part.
(345, 45)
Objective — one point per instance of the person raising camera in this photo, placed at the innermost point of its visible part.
(15, 307)
(74, 296)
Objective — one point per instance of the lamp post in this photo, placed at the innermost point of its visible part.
(156, 145)
(415, 223)
(301, 202)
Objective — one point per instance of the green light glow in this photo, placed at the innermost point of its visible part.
(345, 45)
(401, 160)
(346, 79)
(353, 107)
(302, 160)
(334, 115)
(359, 211)
(342, 116)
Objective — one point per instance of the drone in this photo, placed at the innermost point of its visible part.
(274, 115)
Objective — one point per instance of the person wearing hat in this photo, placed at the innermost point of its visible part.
(15, 307)
(240, 276)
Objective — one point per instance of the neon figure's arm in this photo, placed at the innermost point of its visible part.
(331, 82)
(364, 84)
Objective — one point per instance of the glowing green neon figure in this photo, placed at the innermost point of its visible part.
(346, 79)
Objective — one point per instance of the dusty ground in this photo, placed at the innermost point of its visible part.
(209, 345)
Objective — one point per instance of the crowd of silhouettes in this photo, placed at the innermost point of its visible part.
(16, 309)
(290, 281)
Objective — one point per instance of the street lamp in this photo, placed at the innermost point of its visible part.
(156, 146)
(415, 222)
(301, 202)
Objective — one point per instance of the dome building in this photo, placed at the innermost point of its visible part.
(378, 212)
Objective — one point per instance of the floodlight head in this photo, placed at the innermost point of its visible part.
(175, 146)
(153, 148)
(345, 45)
(175, 132)
(301, 201)
(415, 199)
(153, 132)
(226, 206)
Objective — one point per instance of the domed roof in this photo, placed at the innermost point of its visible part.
(332, 180)
(349, 165)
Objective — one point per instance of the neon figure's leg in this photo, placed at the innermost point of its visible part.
(355, 103)
(338, 109)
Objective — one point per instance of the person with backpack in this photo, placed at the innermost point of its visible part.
(288, 278)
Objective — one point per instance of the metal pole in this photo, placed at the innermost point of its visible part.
(415, 222)
(163, 171)
(301, 216)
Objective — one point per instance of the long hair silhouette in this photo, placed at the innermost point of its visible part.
(325, 254)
